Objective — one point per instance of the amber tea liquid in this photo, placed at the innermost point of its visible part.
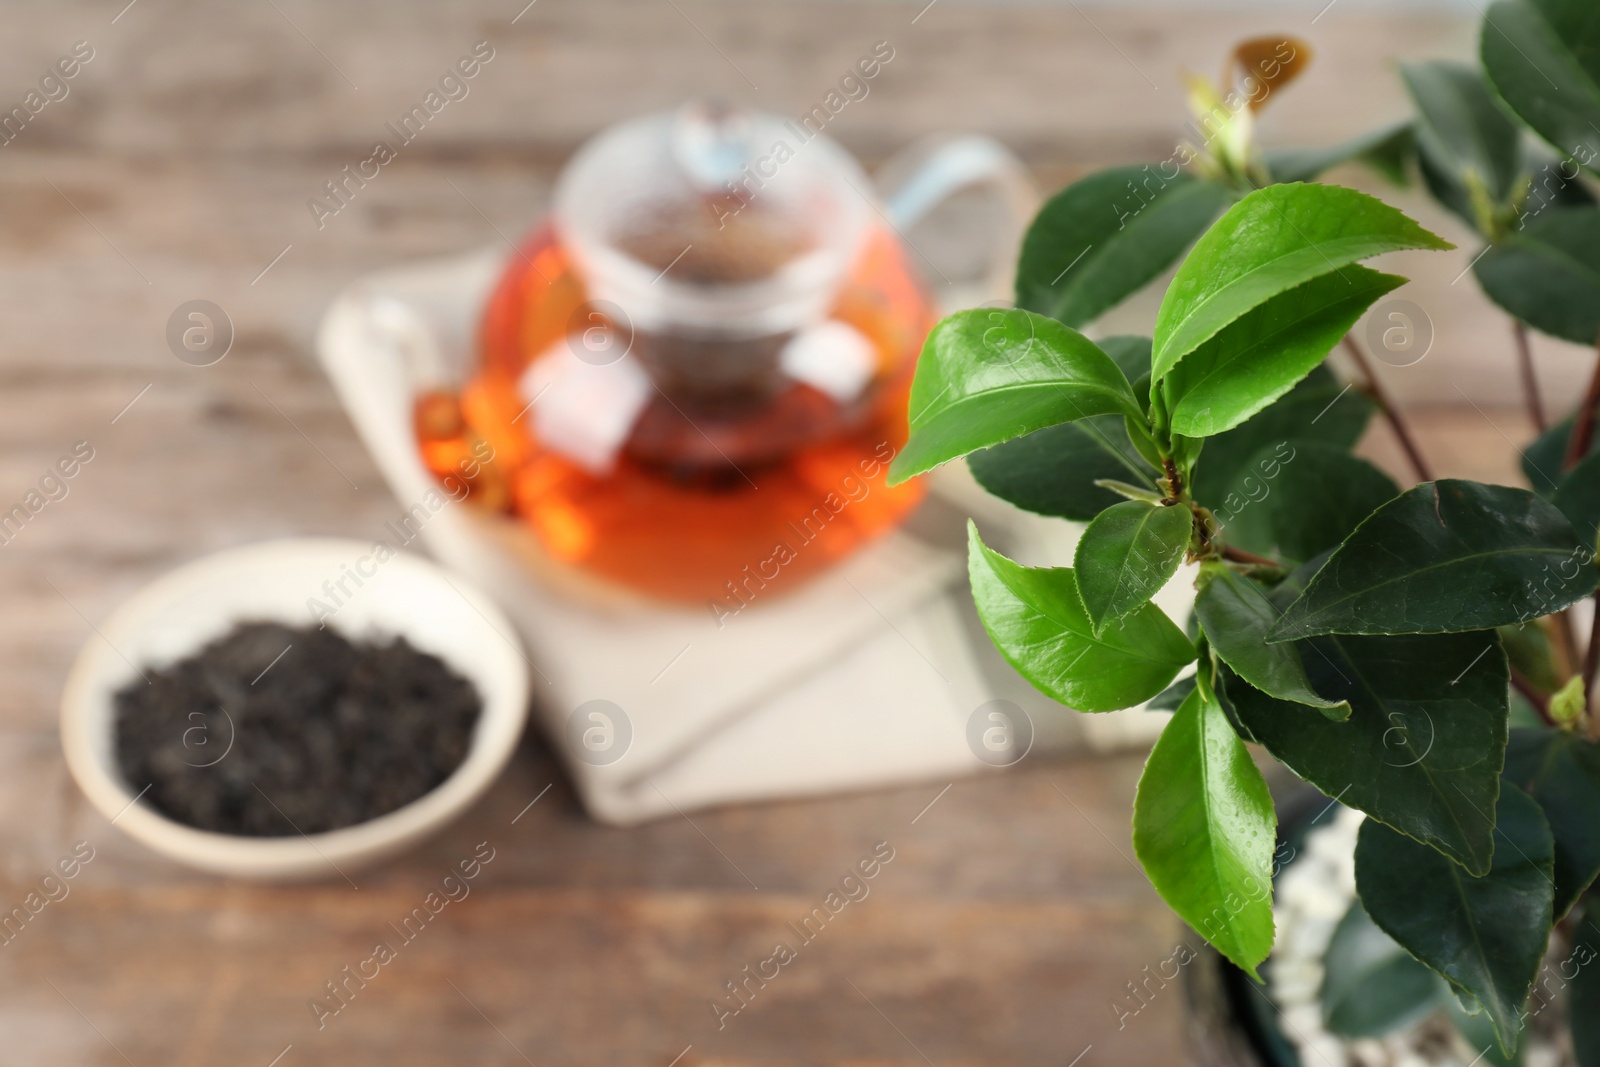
(735, 482)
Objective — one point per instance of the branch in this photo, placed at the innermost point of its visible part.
(1390, 411)
(1583, 426)
(1239, 555)
(1530, 383)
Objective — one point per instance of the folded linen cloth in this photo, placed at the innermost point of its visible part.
(876, 672)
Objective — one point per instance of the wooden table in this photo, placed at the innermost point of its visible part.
(178, 167)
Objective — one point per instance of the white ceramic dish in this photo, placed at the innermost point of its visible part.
(272, 581)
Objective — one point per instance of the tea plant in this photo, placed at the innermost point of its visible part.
(1379, 643)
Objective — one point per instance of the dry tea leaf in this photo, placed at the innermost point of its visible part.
(1266, 64)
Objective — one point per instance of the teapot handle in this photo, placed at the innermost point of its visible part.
(919, 178)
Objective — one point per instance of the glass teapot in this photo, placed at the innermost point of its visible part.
(692, 377)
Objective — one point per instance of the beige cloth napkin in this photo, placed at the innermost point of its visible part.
(871, 674)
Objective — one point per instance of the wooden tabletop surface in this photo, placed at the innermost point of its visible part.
(177, 167)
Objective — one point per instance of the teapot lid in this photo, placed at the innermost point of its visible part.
(713, 220)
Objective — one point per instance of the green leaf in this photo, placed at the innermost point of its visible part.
(1172, 697)
(1553, 182)
(1053, 471)
(1035, 617)
(1131, 354)
(1204, 829)
(1548, 273)
(1542, 460)
(1103, 238)
(1543, 58)
(1486, 934)
(1583, 1006)
(1465, 136)
(1387, 151)
(1578, 498)
(1320, 408)
(1426, 737)
(1127, 554)
(1528, 649)
(1477, 1029)
(988, 375)
(1274, 240)
(1236, 615)
(1562, 773)
(1443, 557)
(1261, 355)
(1300, 499)
(1370, 985)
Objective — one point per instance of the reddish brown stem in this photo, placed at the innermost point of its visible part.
(1239, 555)
(1583, 425)
(1530, 382)
(1591, 664)
(1390, 411)
(1174, 479)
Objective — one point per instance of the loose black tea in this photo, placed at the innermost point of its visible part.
(272, 731)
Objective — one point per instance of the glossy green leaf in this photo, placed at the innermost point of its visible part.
(1103, 238)
(1370, 985)
(1548, 273)
(1204, 830)
(1387, 151)
(1235, 615)
(1543, 58)
(1127, 554)
(1320, 408)
(1486, 934)
(1299, 499)
(1425, 741)
(1465, 136)
(1444, 557)
(1260, 356)
(1036, 619)
(988, 375)
(1272, 241)
(1053, 471)
(1562, 773)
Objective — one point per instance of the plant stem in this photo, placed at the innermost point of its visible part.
(1174, 479)
(1386, 404)
(1239, 555)
(1530, 382)
(1591, 664)
(1583, 424)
